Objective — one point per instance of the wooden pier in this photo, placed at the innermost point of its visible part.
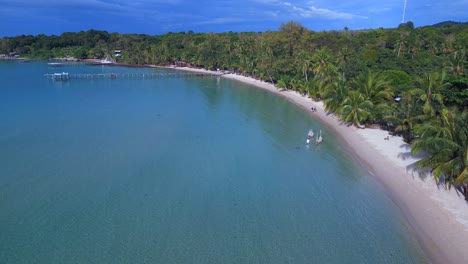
(60, 76)
(67, 76)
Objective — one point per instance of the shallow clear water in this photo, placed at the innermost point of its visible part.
(179, 170)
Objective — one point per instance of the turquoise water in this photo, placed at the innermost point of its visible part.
(179, 170)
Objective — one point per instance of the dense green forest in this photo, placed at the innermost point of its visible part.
(410, 81)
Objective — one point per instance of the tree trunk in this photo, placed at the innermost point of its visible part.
(464, 188)
(271, 79)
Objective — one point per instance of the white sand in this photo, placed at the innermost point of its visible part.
(439, 217)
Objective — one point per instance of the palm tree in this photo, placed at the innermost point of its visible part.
(413, 47)
(304, 61)
(432, 47)
(314, 87)
(400, 43)
(265, 59)
(281, 84)
(229, 47)
(356, 108)
(295, 84)
(303, 88)
(335, 93)
(323, 70)
(322, 65)
(447, 47)
(403, 116)
(457, 62)
(445, 140)
(343, 60)
(373, 86)
(428, 92)
(241, 49)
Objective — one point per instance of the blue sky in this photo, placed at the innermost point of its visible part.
(160, 16)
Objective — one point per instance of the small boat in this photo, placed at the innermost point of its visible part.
(319, 139)
(55, 64)
(310, 135)
(107, 60)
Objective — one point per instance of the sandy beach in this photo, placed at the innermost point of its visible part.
(438, 216)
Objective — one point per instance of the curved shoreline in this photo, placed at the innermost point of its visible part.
(439, 217)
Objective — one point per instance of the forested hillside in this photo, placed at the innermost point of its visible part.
(410, 81)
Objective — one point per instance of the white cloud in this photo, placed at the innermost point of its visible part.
(266, 1)
(334, 14)
(222, 20)
(65, 5)
(272, 13)
(312, 11)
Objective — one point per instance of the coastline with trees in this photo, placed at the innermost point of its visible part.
(409, 81)
(430, 209)
(358, 74)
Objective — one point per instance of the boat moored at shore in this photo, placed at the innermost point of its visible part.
(310, 135)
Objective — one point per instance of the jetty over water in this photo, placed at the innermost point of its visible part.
(179, 74)
(62, 76)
